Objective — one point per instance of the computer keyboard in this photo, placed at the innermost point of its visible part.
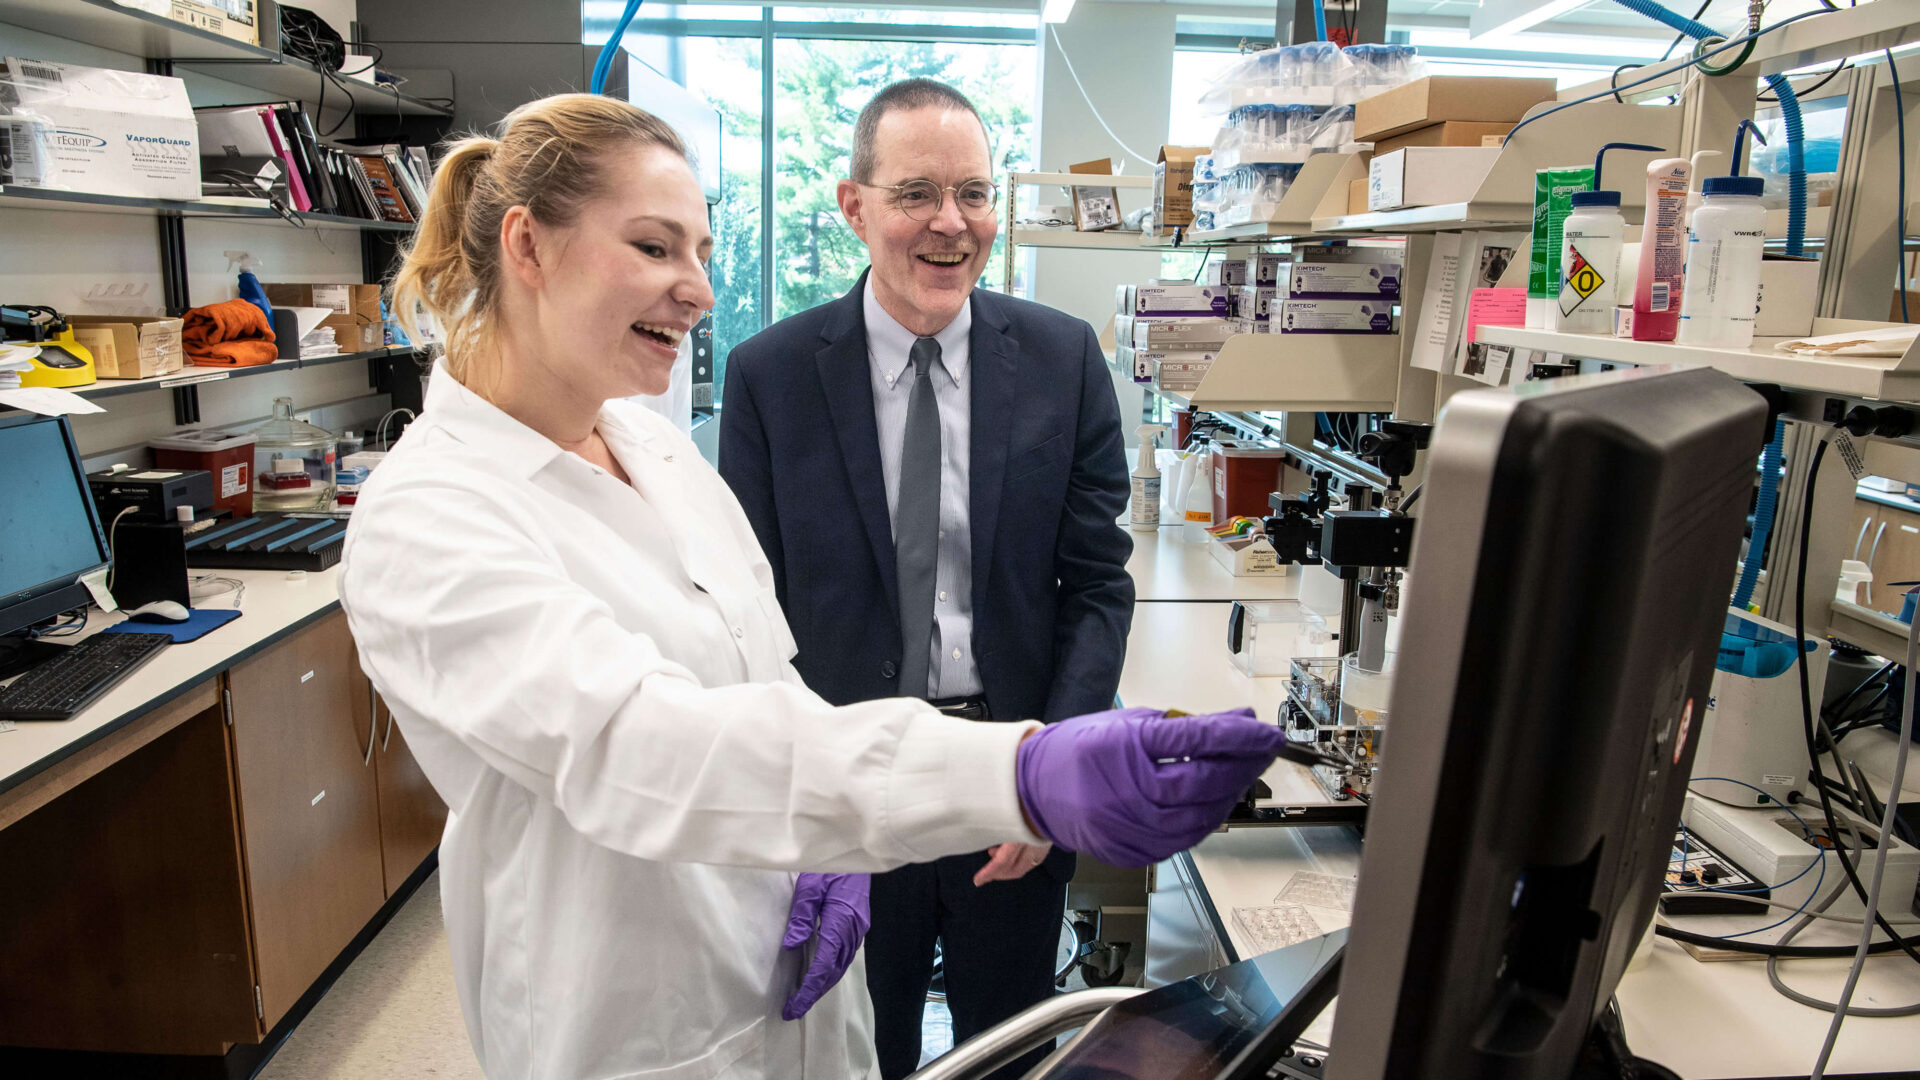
(60, 687)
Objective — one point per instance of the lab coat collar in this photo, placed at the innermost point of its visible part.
(518, 450)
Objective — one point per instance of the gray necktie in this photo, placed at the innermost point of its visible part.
(916, 522)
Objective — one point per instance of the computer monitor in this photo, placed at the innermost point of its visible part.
(1571, 567)
(50, 534)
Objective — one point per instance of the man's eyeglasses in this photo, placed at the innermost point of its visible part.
(921, 199)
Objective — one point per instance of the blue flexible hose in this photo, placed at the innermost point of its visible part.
(1690, 27)
(1762, 516)
(1789, 111)
(1796, 163)
(604, 63)
(1319, 20)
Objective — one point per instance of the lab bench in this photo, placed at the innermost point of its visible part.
(1701, 1019)
(189, 856)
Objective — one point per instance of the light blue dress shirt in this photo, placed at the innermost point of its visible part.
(952, 672)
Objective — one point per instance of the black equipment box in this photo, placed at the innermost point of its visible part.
(270, 542)
(153, 493)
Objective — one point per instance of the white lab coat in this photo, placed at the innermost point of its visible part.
(595, 677)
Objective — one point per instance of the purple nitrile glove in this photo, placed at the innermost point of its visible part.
(1132, 786)
(838, 902)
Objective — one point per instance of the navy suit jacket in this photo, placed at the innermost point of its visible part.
(1052, 600)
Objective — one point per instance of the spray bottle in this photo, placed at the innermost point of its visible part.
(1144, 507)
(250, 289)
(1724, 248)
(1590, 243)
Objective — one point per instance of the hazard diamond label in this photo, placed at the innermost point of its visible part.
(1581, 281)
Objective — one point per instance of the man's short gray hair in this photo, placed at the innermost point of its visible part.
(906, 94)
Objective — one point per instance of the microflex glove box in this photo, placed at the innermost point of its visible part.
(72, 128)
(1335, 317)
(1341, 273)
(1180, 333)
(1181, 300)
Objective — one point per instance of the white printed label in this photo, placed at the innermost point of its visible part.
(317, 798)
(1849, 453)
(334, 297)
(1777, 781)
(233, 481)
(305, 678)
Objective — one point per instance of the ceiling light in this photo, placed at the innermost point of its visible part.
(1500, 18)
(1056, 11)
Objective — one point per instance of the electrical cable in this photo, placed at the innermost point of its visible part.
(1821, 862)
(1795, 952)
(1824, 80)
(604, 62)
(1884, 842)
(113, 529)
(1806, 702)
(1900, 127)
(1664, 72)
(1819, 912)
(1088, 98)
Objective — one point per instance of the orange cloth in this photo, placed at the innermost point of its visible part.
(233, 334)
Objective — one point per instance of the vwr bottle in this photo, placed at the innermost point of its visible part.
(1724, 247)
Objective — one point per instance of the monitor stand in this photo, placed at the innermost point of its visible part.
(21, 654)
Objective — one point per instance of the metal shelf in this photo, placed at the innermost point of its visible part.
(196, 374)
(1882, 378)
(107, 25)
(1061, 179)
(1300, 372)
(29, 198)
(1110, 240)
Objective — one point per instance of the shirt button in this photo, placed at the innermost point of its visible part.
(943, 534)
(956, 654)
(887, 670)
(943, 596)
(739, 633)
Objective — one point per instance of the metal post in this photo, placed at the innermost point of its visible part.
(766, 167)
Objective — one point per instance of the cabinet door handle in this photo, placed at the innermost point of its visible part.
(1875, 553)
(1862, 538)
(388, 736)
(372, 720)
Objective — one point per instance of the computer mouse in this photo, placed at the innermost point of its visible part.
(160, 611)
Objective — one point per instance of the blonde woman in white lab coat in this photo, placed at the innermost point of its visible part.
(569, 615)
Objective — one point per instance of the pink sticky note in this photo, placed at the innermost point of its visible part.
(1495, 307)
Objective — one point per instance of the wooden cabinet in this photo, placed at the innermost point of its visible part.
(1887, 539)
(309, 806)
(411, 813)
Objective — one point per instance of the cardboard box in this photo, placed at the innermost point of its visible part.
(1913, 307)
(1427, 175)
(72, 128)
(1336, 316)
(1204, 333)
(1173, 188)
(356, 311)
(1266, 269)
(1449, 133)
(1439, 98)
(1181, 300)
(1179, 371)
(236, 19)
(1229, 272)
(1357, 196)
(1789, 288)
(131, 346)
(1339, 273)
(1254, 304)
(1247, 556)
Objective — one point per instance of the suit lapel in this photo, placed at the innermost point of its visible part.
(993, 400)
(844, 376)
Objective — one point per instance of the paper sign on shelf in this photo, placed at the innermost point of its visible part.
(1490, 307)
(1435, 333)
(48, 401)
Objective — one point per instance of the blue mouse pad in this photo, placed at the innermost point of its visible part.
(200, 622)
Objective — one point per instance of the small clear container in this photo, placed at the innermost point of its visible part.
(293, 463)
(1263, 636)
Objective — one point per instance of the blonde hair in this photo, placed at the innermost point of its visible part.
(548, 156)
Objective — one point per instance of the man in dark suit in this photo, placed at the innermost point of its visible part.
(935, 474)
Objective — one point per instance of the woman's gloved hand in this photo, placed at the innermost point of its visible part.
(1132, 786)
(831, 910)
